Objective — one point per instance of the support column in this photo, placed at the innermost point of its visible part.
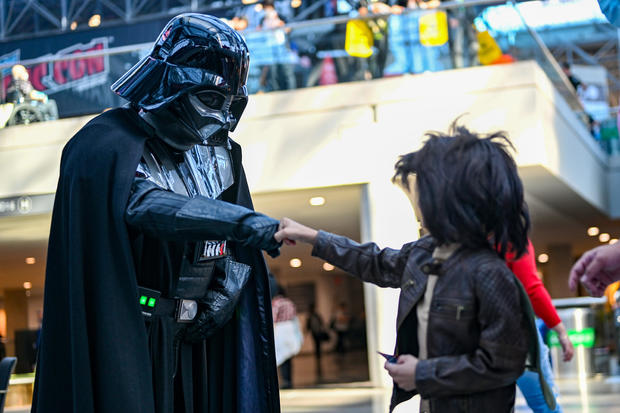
(557, 269)
(388, 220)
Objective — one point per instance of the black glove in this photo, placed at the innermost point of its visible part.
(219, 303)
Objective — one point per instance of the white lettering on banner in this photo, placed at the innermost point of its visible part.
(77, 74)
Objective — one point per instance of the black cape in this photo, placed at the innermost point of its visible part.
(93, 353)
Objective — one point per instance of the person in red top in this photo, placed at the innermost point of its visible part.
(525, 270)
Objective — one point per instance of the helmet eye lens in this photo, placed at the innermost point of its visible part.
(211, 99)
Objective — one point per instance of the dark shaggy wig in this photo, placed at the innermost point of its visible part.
(469, 190)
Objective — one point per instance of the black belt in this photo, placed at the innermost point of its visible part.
(153, 304)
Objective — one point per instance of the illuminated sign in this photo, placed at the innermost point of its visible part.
(583, 338)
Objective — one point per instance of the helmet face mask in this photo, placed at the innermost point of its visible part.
(194, 77)
(215, 107)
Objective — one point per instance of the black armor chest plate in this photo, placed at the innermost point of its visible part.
(203, 170)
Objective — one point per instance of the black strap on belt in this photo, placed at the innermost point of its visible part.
(166, 307)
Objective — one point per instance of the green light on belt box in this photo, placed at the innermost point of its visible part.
(583, 338)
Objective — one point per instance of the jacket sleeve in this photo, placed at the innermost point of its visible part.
(383, 267)
(500, 357)
(164, 214)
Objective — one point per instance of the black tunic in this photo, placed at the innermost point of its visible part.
(94, 354)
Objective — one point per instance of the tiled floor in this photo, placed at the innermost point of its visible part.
(595, 395)
(350, 367)
(590, 396)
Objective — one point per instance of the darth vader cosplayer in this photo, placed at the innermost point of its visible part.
(156, 296)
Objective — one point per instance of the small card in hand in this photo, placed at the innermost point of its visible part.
(389, 357)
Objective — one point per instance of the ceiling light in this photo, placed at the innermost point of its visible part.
(604, 237)
(613, 241)
(73, 25)
(328, 267)
(543, 258)
(593, 231)
(317, 201)
(295, 3)
(95, 20)
(27, 285)
(30, 260)
(295, 263)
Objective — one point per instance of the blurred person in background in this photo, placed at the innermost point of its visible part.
(149, 304)
(574, 80)
(280, 74)
(21, 92)
(379, 28)
(20, 89)
(407, 53)
(284, 311)
(340, 323)
(316, 327)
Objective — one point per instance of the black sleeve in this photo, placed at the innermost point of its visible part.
(368, 262)
(164, 214)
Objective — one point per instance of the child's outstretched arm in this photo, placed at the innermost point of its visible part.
(502, 346)
(383, 267)
(291, 231)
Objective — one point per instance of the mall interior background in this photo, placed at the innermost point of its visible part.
(339, 142)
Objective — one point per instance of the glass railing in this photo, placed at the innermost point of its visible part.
(359, 46)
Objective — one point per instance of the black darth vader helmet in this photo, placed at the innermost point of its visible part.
(193, 80)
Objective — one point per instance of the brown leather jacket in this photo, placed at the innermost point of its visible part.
(477, 338)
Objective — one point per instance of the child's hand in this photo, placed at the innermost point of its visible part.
(290, 231)
(403, 371)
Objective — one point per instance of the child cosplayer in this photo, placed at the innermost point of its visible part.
(461, 331)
